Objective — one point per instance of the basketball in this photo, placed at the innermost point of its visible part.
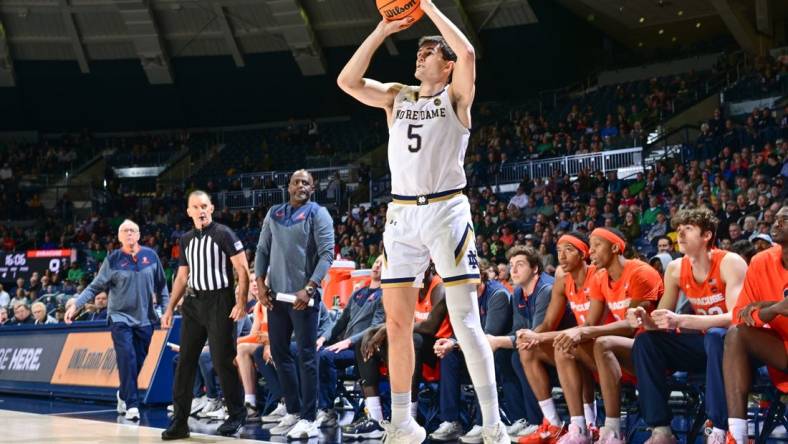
(393, 10)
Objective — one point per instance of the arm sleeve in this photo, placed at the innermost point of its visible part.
(541, 304)
(341, 323)
(324, 324)
(100, 283)
(263, 255)
(323, 232)
(229, 242)
(160, 284)
(378, 318)
(518, 321)
(498, 311)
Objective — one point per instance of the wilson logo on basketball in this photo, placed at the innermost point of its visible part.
(398, 10)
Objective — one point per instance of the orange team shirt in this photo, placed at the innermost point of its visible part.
(707, 297)
(578, 297)
(257, 337)
(638, 281)
(423, 309)
(767, 280)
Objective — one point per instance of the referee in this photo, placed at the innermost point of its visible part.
(209, 252)
(297, 243)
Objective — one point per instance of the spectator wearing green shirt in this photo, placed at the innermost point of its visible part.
(75, 273)
(650, 215)
(373, 255)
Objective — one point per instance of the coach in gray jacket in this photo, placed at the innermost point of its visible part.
(297, 242)
(364, 309)
(134, 278)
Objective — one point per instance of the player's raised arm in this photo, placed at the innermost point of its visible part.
(464, 74)
(351, 79)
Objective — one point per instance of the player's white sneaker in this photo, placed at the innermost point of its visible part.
(396, 435)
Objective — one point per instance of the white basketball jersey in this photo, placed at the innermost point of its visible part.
(427, 144)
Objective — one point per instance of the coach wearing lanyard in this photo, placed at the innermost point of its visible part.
(132, 274)
(297, 241)
(209, 253)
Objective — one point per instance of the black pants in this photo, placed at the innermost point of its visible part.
(300, 390)
(370, 370)
(207, 315)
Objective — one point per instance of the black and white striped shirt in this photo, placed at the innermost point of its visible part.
(207, 253)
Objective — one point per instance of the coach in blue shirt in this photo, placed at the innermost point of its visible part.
(132, 276)
(297, 242)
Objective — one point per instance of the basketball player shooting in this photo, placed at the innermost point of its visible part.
(429, 216)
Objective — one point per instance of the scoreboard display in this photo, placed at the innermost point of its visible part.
(16, 265)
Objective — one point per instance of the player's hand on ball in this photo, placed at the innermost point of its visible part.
(393, 27)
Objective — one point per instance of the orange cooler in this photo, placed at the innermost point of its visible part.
(332, 284)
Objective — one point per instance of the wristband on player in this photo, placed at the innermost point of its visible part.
(756, 316)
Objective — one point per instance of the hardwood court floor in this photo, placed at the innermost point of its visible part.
(28, 428)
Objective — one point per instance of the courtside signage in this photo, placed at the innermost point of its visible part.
(88, 359)
(29, 358)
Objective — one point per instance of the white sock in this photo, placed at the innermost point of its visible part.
(579, 421)
(414, 409)
(718, 431)
(613, 424)
(400, 409)
(374, 409)
(738, 429)
(463, 306)
(549, 411)
(250, 399)
(590, 413)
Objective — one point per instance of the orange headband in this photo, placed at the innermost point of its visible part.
(611, 237)
(575, 242)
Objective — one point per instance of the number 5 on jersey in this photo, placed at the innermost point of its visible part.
(412, 135)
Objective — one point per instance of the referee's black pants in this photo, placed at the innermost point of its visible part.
(207, 315)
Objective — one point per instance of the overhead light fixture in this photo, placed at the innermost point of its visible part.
(640, 44)
(673, 39)
(680, 13)
(642, 19)
(697, 25)
(661, 31)
(620, 9)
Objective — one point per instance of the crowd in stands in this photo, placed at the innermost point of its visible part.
(147, 149)
(734, 168)
(737, 168)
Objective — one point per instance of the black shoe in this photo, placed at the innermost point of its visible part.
(364, 428)
(252, 414)
(175, 431)
(232, 425)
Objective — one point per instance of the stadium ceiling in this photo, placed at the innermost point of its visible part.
(154, 31)
(661, 23)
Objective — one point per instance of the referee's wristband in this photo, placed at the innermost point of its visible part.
(756, 316)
